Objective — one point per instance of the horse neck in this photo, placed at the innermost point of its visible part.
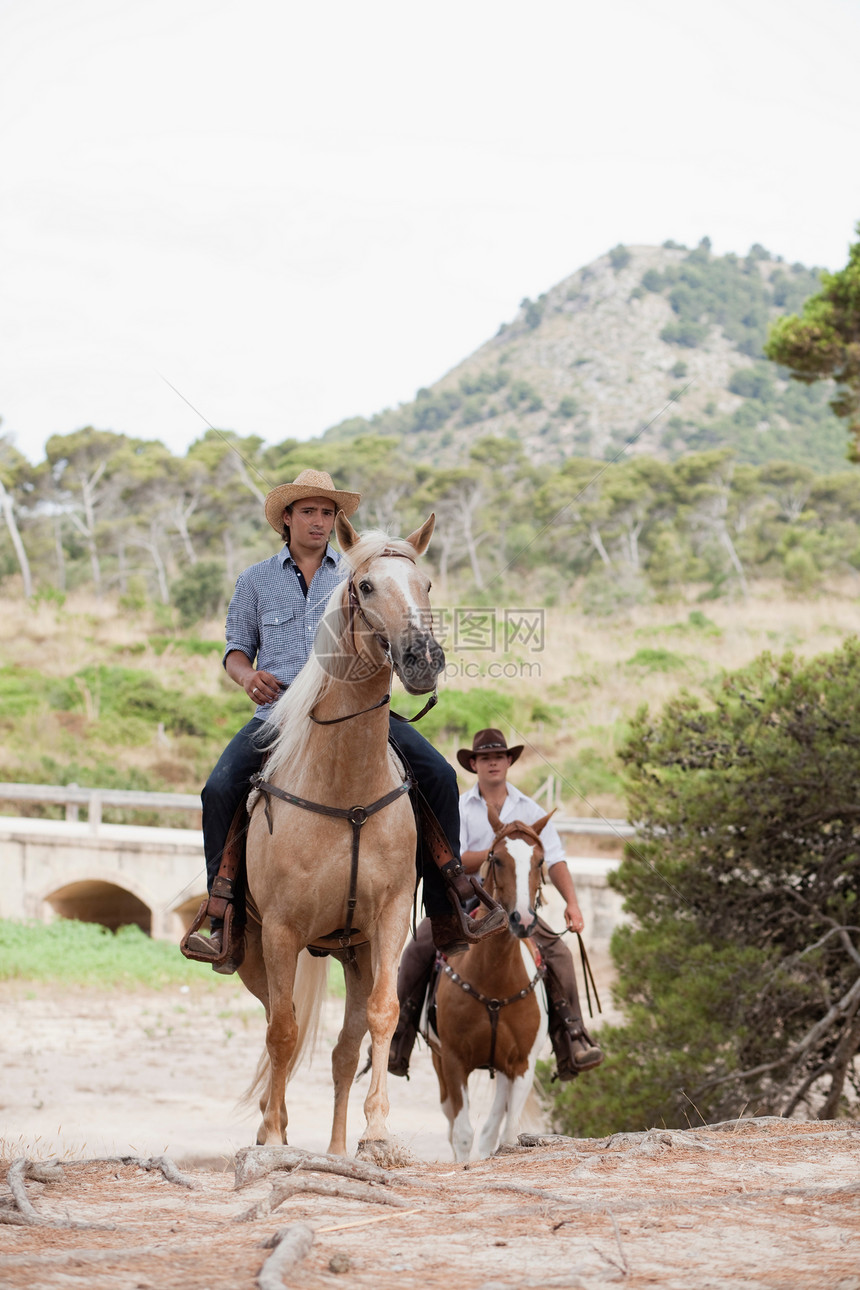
(352, 755)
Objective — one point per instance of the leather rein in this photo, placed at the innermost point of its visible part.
(354, 607)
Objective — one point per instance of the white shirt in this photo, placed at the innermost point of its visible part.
(476, 832)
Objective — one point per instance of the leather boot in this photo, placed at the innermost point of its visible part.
(574, 1049)
(210, 947)
(403, 1039)
(448, 934)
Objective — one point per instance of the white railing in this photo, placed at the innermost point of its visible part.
(94, 800)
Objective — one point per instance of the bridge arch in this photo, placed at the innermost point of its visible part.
(111, 899)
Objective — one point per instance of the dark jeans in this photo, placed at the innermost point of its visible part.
(228, 784)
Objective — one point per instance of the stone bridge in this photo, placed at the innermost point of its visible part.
(115, 874)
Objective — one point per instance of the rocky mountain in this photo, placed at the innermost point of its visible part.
(647, 350)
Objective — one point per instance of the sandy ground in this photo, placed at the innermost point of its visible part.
(758, 1204)
(94, 1073)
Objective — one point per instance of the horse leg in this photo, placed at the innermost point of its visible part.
(488, 1139)
(383, 1011)
(344, 1058)
(454, 1089)
(281, 1035)
(517, 1098)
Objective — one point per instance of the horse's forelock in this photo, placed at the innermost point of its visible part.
(371, 544)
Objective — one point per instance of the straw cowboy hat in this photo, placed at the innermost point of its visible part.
(310, 483)
(486, 741)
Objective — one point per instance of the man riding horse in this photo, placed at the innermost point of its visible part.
(489, 759)
(273, 615)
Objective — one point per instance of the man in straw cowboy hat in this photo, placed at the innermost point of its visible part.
(273, 615)
(490, 759)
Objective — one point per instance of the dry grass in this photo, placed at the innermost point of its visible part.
(584, 676)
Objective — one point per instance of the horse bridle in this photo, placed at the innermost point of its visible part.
(354, 606)
(587, 974)
(494, 862)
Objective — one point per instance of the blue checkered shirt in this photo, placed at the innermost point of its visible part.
(272, 622)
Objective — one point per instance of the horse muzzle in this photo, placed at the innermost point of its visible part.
(418, 662)
(518, 927)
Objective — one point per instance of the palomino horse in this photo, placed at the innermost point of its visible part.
(331, 839)
(490, 1007)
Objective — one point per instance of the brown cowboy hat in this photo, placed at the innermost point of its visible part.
(310, 483)
(487, 741)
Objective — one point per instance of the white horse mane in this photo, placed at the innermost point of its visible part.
(292, 710)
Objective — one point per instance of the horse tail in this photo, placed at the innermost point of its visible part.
(309, 994)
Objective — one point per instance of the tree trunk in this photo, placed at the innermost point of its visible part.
(61, 557)
(729, 545)
(846, 1051)
(469, 505)
(17, 542)
(180, 519)
(229, 556)
(597, 543)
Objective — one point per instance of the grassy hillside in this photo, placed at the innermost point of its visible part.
(595, 359)
(93, 695)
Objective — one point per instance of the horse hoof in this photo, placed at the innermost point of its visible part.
(385, 1153)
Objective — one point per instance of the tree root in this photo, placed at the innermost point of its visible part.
(346, 1189)
(254, 1163)
(291, 1244)
(19, 1209)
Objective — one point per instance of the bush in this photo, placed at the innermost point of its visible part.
(199, 592)
(800, 571)
(752, 383)
(656, 660)
(688, 334)
(742, 883)
(88, 954)
(459, 713)
(619, 257)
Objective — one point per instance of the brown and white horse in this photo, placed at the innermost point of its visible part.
(331, 845)
(490, 1004)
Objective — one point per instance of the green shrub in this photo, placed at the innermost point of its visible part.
(656, 660)
(185, 645)
(619, 257)
(75, 953)
(459, 713)
(800, 570)
(199, 592)
(688, 334)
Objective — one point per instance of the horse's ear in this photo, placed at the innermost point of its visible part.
(493, 817)
(420, 539)
(346, 534)
(541, 824)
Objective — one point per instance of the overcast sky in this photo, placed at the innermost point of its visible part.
(300, 212)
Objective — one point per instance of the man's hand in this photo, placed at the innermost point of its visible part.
(261, 687)
(573, 917)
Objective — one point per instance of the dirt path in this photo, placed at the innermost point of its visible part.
(89, 1072)
(766, 1204)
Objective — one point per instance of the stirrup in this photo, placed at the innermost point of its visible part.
(474, 930)
(229, 950)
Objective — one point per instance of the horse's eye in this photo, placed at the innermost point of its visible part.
(365, 587)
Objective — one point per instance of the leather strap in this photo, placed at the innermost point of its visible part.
(493, 1006)
(356, 815)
